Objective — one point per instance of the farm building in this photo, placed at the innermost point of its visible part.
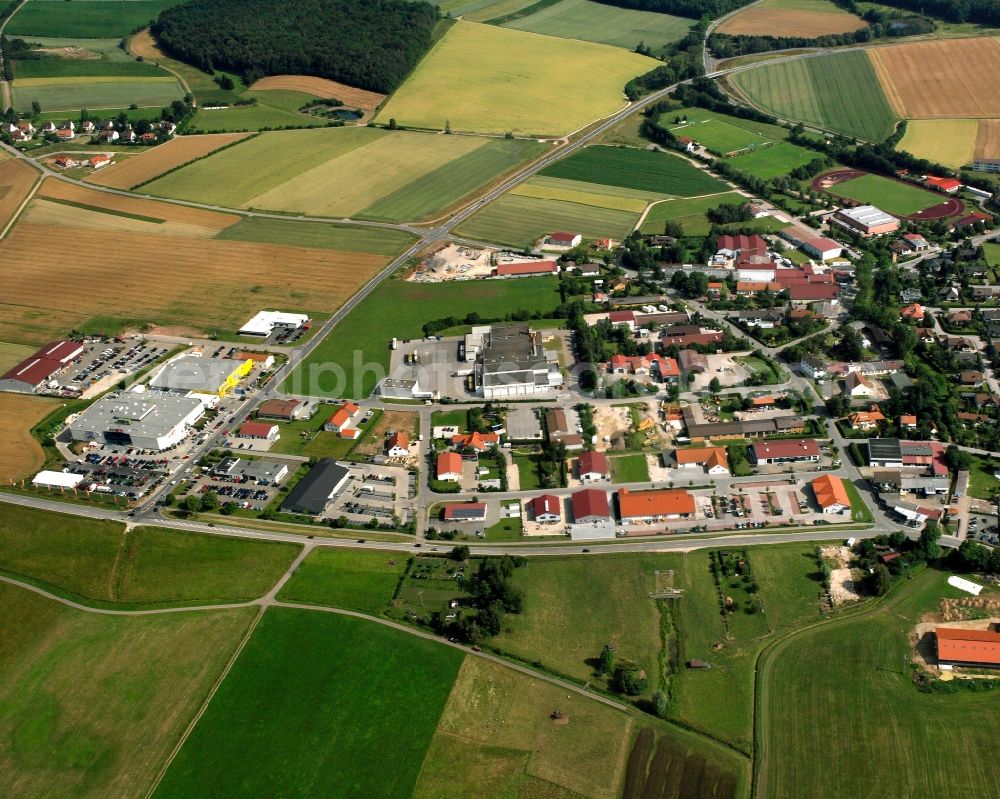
(145, 421)
(712, 459)
(866, 220)
(204, 375)
(546, 509)
(314, 491)
(792, 450)
(286, 410)
(732, 245)
(692, 362)
(563, 239)
(644, 507)
(831, 494)
(748, 428)
(264, 323)
(513, 363)
(264, 431)
(526, 269)
(33, 372)
(590, 506)
(464, 512)
(686, 335)
(449, 466)
(342, 419)
(592, 466)
(958, 646)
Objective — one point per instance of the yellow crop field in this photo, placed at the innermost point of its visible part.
(806, 18)
(20, 453)
(988, 139)
(16, 179)
(50, 212)
(488, 79)
(945, 141)
(321, 87)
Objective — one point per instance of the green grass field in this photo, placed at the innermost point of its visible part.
(93, 560)
(519, 221)
(596, 22)
(636, 169)
(900, 199)
(720, 136)
(317, 700)
(673, 119)
(992, 252)
(73, 93)
(983, 483)
(357, 580)
(487, 79)
(91, 19)
(839, 92)
(577, 191)
(859, 705)
(689, 213)
(251, 117)
(333, 369)
(84, 67)
(346, 238)
(91, 705)
(774, 161)
(363, 172)
(629, 469)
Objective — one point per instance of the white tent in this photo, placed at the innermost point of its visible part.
(57, 479)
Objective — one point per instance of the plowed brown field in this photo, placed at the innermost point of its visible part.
(940, 79)
(16, 179)
(321, 87)
(20, 453)
(762, 21)
(988, 139)
(152, 163)
(61, 190)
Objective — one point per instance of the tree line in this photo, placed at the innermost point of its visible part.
(371, 44)
(985, 12)
(695, 9)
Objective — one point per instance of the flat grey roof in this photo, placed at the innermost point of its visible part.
(885, 449)
(145, 415)
(313, 492)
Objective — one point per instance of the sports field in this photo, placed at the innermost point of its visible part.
(596, 22)
(951, 142)
(333, 369)
(899, 199)
(90, 19)
(801, 18)
(316, 700)
(17, 177)
(73, 93)
(774, 161)
(630, 168)
(721, 137)
(91, 705)
(20, 454)
(945, 78)
(354, 579)
(151, 163)
(496, 737)
(865, 708)
(363, 172)
(98, 562)
(840, 92)
(689, 213)
(483, 78)
(153, 235)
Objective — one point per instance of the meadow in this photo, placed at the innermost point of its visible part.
(864, 708)
(333, 369)
(90, 19)
(774, 161)
(596, 22)
(326, 697)
(271, 111)
(839, 92)
(20, 454)
(362, 580)
(689, 213)
(198, 83)
(149, 566)
(630, 168)
(900, 199)
(73, 93)
(319, 235)
(362, 172)
(91, 705)
(805, 18)
(595, 194)
(694, 115)
(992, 252)
(629, 469)
(474, 80)
(103, 67)
(951, 142)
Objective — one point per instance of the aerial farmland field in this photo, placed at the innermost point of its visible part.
(689, 213)
(801, 18)
(774, 161)
(70, 94)
(474, 80)
(16, 179)
(20, 453)
(951, 142)
(91, 19)
(988, 139)
(721, 137)
(577, 191)
(840, 92)
(362, 580)
(317, 699)
(900, 199)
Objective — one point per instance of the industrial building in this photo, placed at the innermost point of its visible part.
(647, 507)
(314, 491)
(217, 376)
(260, 472)
(266, 323)
(866, 220)
(32, 373)
(513, 363)
(791, 450)
(147, 421)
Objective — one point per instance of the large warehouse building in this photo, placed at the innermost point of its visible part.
(513, 363)
(866, 220)
(204, 375)
(33, 372)
(314, 491)
(264, 323)
(147, 421)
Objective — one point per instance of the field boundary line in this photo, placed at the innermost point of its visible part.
(24, 204)
(204, 705)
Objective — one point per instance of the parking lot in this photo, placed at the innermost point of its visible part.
(983, 529)
(124, 475)
(105, 363)
(378, 492)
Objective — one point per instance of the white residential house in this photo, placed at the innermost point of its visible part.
(814, 367)
(856, 385)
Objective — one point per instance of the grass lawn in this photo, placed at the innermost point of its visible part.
(890, 195)
(347, 238)
(694, 115)
(992, 252)
(333, 369)
(982, 483)
(475, 79)
(774, 161)
(870, 709)
(496, 738)
(354, 579)
(630, 168)
(951, 142)
(73, 93)
(689, 213)
(859, 510)
(457, 418)
(761, 368)
(307, 436)
(94, 560)
(265, 114)
(721, 136)
(629, 469)
(596, 22)
(91, 705)
(527, 471)
(91, 19)
(329, 699)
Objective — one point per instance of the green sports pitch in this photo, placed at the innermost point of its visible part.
(899, 199)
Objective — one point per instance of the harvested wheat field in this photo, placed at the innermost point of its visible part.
(988, 139)
(153, 163)
(60, 215)
(322, 87)
(16, 179)
(944, 141)
(20, 453)
(129, 278)
(940, 79)
(804, 18)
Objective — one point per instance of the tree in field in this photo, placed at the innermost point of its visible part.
(36, 108)
(606, 661)
(630, 679)
(880, 580)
